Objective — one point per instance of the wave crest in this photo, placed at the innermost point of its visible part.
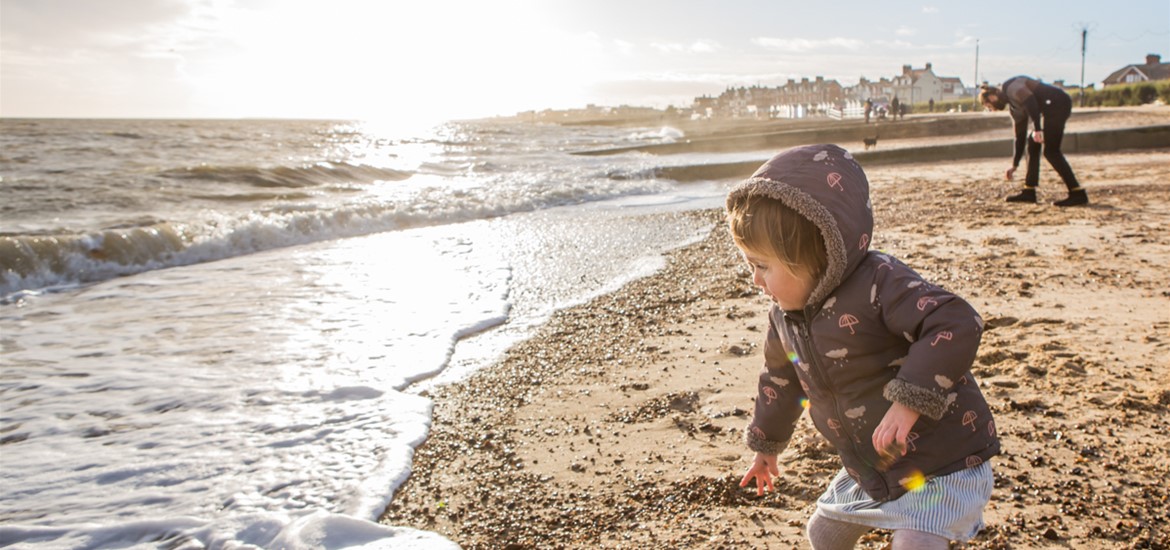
(288, 176)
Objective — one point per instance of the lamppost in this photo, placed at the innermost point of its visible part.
(975, 100)
(1084, 38)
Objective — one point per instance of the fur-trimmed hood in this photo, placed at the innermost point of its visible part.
(872, 333)
(824, 184)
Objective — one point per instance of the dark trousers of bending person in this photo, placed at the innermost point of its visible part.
(1055, 116)
(1046, 109)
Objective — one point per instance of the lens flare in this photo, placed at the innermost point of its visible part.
(913, 482)
(795, 359)
(804, 402)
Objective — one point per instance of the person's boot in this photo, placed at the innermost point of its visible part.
(1027, 194)
(1076, 197)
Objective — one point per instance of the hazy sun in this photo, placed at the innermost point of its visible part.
(419, 60)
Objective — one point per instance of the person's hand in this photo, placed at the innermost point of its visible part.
(1010, 172)
(1038, 136)
(889, 438)
(763, 469)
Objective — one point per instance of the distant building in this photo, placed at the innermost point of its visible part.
(705, 106)
(1070, 88)
(1153, 69)
(910, 87)
(953, 89)
(917, 85)
(792, 100)
(814, 94)
(827, 97)
(868, 89)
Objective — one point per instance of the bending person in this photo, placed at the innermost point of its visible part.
(1048, 108)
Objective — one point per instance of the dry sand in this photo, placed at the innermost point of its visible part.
(620, 424)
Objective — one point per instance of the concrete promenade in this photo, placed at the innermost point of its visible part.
(1143, 137)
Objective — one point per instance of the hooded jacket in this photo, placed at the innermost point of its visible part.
(873, 332)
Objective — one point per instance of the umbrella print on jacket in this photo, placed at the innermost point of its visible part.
(925, 302)
(944, 335)
(969, 419)
(770, 393)
(847, 321)
(910, 439)
(834, 181)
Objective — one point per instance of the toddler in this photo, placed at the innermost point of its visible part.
(879, 356)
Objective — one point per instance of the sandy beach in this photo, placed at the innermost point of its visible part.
(619, 425)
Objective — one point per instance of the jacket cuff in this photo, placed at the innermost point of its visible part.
(765, 446)
(922, 400)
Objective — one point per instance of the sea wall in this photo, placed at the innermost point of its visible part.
(1144, 137)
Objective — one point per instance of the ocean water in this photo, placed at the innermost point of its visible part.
(216, 333)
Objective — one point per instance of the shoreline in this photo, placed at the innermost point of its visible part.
(618, 424)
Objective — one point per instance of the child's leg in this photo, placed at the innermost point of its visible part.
(906, 539)
(830, 534)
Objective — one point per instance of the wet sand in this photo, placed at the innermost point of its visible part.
(620, 424)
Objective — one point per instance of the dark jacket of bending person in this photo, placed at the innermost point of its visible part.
(1043, 109)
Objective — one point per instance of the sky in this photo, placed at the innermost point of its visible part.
(447, 59)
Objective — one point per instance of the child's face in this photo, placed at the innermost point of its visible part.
(784, 287)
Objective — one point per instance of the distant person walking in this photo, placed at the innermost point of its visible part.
(895, 108)
(868, 109)
(1048, 108)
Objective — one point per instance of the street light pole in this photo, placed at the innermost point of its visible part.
(1084, 39)
(975, 100)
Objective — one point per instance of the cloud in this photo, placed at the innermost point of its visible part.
(801, 45)
(929, 9)
(623, 47)
(901, 45)
(667, 47)
(963, 38)
(905, 31)
(705, 46)
(65, 24)
(699, 46)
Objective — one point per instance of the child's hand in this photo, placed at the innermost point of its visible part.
(1010, 172)
(763, 469)
(889, 438)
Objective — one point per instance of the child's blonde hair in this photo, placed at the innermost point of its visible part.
(763, 225)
